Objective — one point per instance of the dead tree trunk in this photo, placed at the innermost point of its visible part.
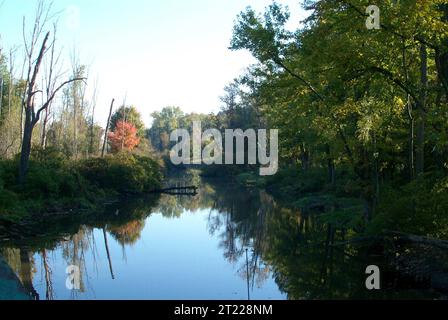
(108, 254)
(107, 129)
(32, 117)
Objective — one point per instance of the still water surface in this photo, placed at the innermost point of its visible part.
(174, 247)
(224, 243)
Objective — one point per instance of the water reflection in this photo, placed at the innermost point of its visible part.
(232, 221)
(225, 243)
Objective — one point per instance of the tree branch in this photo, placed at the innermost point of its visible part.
(389, 75)
(53, 95)
(390, 29)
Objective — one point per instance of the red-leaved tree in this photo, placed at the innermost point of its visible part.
(124, 137)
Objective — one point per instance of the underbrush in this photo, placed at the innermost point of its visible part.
(56, 183)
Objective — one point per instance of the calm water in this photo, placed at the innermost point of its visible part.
(224, 243)
(173, 247)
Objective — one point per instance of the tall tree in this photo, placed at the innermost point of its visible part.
(32, 112)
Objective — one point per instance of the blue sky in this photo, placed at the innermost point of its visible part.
(156, 53)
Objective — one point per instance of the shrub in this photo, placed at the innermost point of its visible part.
(123, 172)
(420, 207)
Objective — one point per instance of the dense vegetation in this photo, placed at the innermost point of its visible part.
(362, 116)
(56, 184)
(363, 121)
(368, 107)
(53, 156)
(362, 113)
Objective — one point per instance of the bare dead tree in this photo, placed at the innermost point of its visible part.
(92, 120)
(107, 128)
(52, 76)
(32, 115)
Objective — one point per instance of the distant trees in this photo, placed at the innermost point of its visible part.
(43, 106)
(164, 122)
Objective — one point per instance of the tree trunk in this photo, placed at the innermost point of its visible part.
(43, 143)
(11, 85)
(330, 165)
(30, 118)
(92, 127)
(26, 146)
(108, 254)
(420, 141)
(1, 94)
(411, 141)
(26, 274)
(107, 129)
(409, 108)
(75, 128)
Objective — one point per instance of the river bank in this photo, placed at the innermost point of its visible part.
(58, 186)
(134, 247)
(406, 248)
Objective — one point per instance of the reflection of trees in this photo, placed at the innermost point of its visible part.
(49, 295)
(305, 263)
(124, 220)
(295, 247)
(27, 271)
(239, 216)
(129, 233)
(169, 206)
(22, 263)
(174, 206)
(73, 252)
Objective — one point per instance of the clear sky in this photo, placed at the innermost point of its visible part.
(157, 53)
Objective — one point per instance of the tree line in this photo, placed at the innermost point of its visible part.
(42, 105)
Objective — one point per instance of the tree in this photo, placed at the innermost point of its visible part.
(130, 115)
(124, 137)
(340, 95)
(164, 122)
(32, 112)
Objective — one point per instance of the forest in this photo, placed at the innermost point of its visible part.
(362, 116)
(362, 113)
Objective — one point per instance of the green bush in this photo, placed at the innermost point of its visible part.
(50, 158)
(8, 199)
(421, 208)
(123, 172)
(53, 180)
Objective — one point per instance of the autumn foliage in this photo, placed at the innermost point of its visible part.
(124, 137)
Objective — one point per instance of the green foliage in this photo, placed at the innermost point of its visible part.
(345, 214)
(6, 197)
(129, 115)
(56, 182)
(292, 182)
(124, 172)
(420, 207)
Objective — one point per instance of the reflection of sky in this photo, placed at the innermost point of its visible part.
(174, 259)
